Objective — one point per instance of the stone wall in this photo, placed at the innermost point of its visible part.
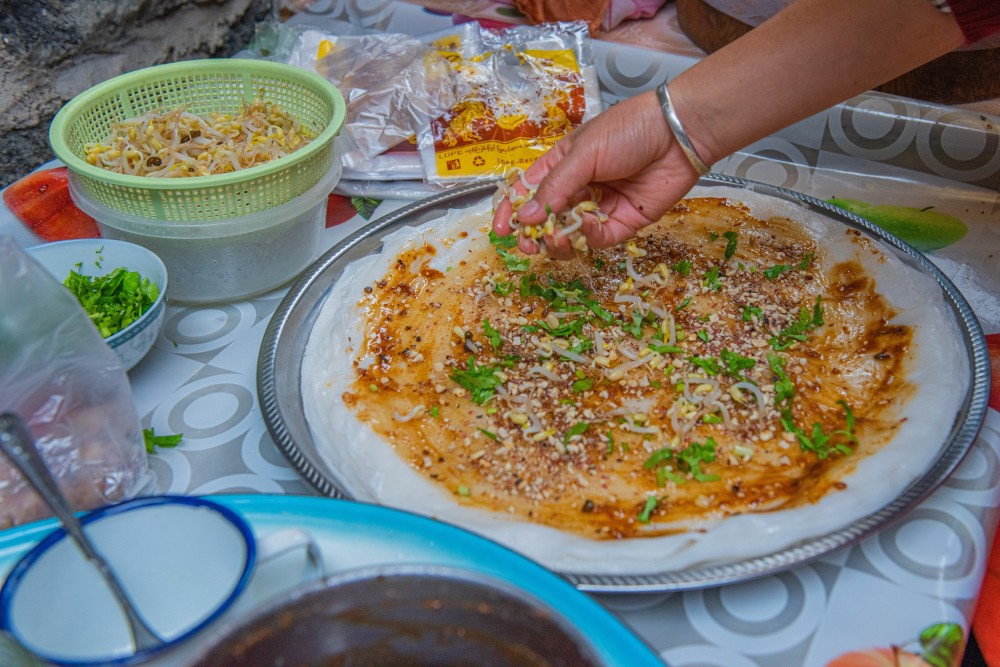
(50, 50)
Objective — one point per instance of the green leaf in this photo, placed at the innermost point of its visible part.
(365, 206)
(506, 242)
(682, 267)
(784, 388)
(736, 363)
(806, 261)
(152, 441)
(750, 312)
(697, 453)
(659, 456)
(797, 330)
(582, 385)
(492, 335)
(683, 304)
(489, 434)
(942, 644)
(664, 349)
(434, 411)
(712, 279)
(576, 429)
(647, 509)
(731, 240)
(482, 381)
(709, 364)
(775, 271)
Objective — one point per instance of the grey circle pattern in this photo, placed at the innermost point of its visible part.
(171, 328)
(851, 118)
(773, 159)
(961, 568)
(245, 405)
(614, 79)
(793, 608)
(989, 478)
(947, 122)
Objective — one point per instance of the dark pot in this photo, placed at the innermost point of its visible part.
(402, 615)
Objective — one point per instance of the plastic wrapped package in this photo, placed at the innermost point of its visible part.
(502, 99)
(58, 374)
(392, 83)
(531, 86)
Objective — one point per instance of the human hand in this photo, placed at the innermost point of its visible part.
(628, 154)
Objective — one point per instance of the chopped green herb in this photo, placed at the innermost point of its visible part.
(784, 388)
(647, 509)
(750, 312)
(576, 429)
(683, 304)
(694, 455)
(489, 434)
(797, 330)
(152, 441)
(598, 263)
(712, 279)
(775, 271)
(112, 301)
(735, 364)
(709, 364)
(611, 443)
(506, 242)
(712, 236)
(434, 411)
(731, 240)
(504, 288)
(806, 261)
(664, 349)
(682, 267)
(659, 456)
(492, 335)
(482, 381)
(711, 419)
(702, 334)
(582, 385)
(463, 491)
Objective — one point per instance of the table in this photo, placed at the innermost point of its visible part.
(200, 380)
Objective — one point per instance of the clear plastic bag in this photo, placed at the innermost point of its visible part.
(58, 374)
(531, 86)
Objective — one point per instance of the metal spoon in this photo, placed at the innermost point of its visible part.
(17, 444)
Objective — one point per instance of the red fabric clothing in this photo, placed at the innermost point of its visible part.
(977, 18)
(986, 622)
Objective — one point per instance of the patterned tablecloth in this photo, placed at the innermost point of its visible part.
(918, 576)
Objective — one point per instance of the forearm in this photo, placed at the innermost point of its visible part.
(810, 56)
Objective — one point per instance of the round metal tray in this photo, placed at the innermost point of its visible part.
(284, 344)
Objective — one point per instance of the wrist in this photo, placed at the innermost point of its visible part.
(681, 137)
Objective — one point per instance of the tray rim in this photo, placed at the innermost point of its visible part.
(969, 419)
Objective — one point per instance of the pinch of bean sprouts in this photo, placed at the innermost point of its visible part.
(562, 224)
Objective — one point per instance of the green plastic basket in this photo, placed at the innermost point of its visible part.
(202, 86)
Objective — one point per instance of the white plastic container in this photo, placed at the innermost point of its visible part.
(226, 259)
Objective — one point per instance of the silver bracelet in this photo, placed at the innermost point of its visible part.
(679, 134)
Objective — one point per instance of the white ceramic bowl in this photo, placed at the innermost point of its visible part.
(98, 257)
